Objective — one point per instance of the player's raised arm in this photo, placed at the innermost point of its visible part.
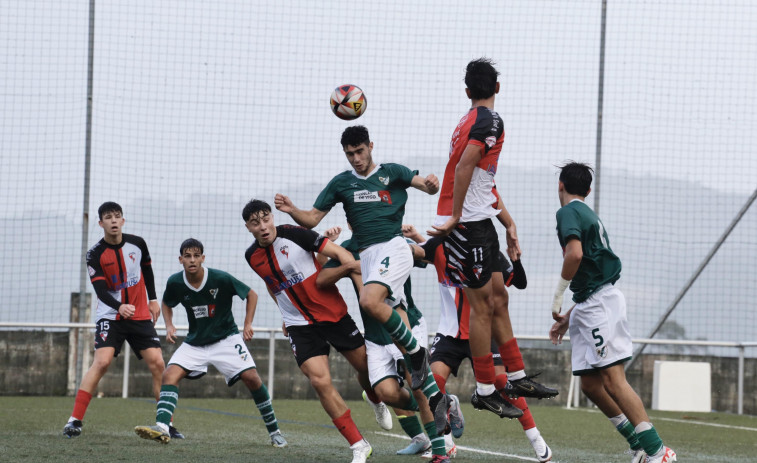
(307, 219)
(252, 304)
(428, 184)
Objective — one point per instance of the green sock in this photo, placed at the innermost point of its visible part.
(430, 388)
(650, 441)
(263, 401)
(169, 396)
(399, 332)
(411, 404)
(626, 430)
(411, 425)
(437, 441)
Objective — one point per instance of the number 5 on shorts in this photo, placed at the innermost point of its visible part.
(600, 339)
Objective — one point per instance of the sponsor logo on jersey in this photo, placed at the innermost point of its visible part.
(132, 256)
(365, 196)
(126, 284)
(279, 287)
(355, 333)
(203, 311)
(384, 180)
(213, 292)
(385, 196)
(490, 141)
(491, 169)
(285, 250)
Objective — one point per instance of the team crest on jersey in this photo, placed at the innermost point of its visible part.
(384, 180)
(213, 292)
(490, 141)
(285, 250)
(602, 351)
(132, 256)
(91, 270)
(477, 271)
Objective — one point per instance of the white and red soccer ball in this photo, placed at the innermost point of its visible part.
(348, 102)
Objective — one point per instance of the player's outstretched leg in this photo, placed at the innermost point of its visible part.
(527, 387)
(496, 404)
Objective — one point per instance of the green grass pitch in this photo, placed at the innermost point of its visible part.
(228, 430)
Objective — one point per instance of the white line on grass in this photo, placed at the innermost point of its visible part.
(677, 420)
(467, 449)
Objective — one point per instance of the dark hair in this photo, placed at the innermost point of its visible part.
(109, 206)
(355, 136)
(577, 178)
(191, 243)
(481, 78)
(255, 207)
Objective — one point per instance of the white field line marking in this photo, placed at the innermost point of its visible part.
(677, 420)
(467, 449)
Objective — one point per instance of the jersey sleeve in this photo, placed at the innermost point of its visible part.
(400, 175)
(306, 239)
(94, 268)
(170, 295)
(486, 126)
(568, 224)
(239, 288)
(146, 264)
(327, 199)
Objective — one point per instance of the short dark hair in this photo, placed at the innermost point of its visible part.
(577, 178)
(191, 243)
(109, 206)
(255, 207)
(355, 136)
(481, 78)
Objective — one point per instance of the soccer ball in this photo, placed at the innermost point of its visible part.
(348, 102)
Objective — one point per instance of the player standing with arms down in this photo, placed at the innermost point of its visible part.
(599, 336)
(374, 197)
(314, 318)
(464, 214)
(213, 338)
(121, 273)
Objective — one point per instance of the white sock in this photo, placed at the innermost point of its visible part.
(533, 433)
(485, 389)
(162, 427)
(417, 348)
(618, 421)
(515, 375)
(448, 441)
(72, 419)
(643, 426)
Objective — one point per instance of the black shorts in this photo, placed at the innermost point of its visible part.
(472, 252)
(140, 334)
(452, 351)
(309, 341)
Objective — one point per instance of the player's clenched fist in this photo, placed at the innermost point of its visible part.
(283, 203)
(432, 183)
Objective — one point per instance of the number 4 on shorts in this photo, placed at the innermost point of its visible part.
(385, 262)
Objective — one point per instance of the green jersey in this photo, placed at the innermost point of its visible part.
(374, 330)
(208, 307)
(599, 264)
(374, 204)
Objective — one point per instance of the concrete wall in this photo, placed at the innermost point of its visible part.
(34, 363)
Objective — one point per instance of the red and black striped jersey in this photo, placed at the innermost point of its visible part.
(289, 268)
(122, 268)
(482, 127)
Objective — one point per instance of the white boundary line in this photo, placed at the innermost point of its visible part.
(677, 420)
(467, 449)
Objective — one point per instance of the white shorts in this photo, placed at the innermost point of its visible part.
(388, 264)
(599, 334)
(382, 360)
(230, 356)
